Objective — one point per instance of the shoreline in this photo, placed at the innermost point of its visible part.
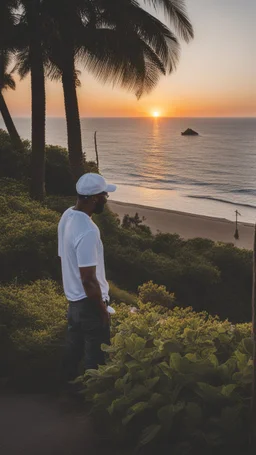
(188, 225)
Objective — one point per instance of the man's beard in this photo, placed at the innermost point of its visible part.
(99, 207)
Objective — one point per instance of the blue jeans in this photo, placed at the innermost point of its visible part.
(85, 334)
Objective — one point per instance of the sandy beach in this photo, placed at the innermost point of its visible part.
(188, 225)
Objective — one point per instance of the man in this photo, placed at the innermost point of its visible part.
(83, 273)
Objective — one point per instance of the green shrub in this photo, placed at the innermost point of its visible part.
(33, 320)
(59, 203)
(201, 274)
(28, 240)
(13, 163)
(58, 179)
(178, 382)
(118, 295)
(12, 187)
(154, 294)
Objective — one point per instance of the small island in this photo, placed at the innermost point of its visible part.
(189, 132)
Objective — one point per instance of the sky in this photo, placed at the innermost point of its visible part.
(216, 75)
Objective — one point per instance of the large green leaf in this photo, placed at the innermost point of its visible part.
(151, 382)
(156, 399)
(227, 390)
(170, 346)
(208, 392)
(137, 408)
(242, 359)
(138, 391)
(149, 434)
(167, 413)
(247, 346)
(119, 404)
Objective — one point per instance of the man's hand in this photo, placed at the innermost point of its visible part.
(93, 291)
(104, 313)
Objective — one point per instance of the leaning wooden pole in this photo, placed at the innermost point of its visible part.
(96, 149)
(253, 404)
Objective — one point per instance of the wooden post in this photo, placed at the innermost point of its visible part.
(253, 404)
(236, 235)
(96, 149)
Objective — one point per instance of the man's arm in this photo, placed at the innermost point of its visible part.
(92, 289)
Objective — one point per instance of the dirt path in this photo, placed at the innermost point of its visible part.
(38, 425)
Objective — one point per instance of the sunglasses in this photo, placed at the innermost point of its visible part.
(106, 195)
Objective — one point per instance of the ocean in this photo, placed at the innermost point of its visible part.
(213, 174)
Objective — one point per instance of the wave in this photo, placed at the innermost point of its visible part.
(245, 191)
(222, 200)
(147, 185)
(153, 180)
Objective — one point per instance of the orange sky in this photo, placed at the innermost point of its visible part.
(216, 75)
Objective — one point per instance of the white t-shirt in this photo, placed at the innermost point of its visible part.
(80, 245)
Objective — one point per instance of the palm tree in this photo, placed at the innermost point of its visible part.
(30, 58)
(7, 81)
(62, 20)
(7, 25)
(117, 41)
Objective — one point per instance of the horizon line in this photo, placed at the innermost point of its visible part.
(143, 117)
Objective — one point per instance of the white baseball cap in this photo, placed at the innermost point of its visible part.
(90, 184)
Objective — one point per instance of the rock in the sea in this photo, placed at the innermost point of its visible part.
(189, 132)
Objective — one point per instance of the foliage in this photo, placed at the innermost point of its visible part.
(205, 275)
(154, 294)
(59, 203)
(28, 239)
(12, 187)
(118, 295)
(13, 163)
(58, 179)
(129, 221)
(178, 381)
(135, 222)
(31, 332)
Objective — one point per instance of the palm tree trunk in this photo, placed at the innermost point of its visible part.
(13, 133)
(76, 157)
(37, 184)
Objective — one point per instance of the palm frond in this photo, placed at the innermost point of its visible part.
(9, 82)
(6, 79)
(124, 60)
(176, 12)
(23, 62)
(128, 46)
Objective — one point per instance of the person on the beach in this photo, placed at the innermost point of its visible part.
(83, 273)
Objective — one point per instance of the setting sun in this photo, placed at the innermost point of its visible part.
(156, 114)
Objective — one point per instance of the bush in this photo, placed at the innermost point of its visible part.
(28, 242)
(118, 295)
(58, 179)
(59, 203)
(33, 320)
(12, 187)
(13, 163)
(201, 274)
(154, 294)
(178, 381)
